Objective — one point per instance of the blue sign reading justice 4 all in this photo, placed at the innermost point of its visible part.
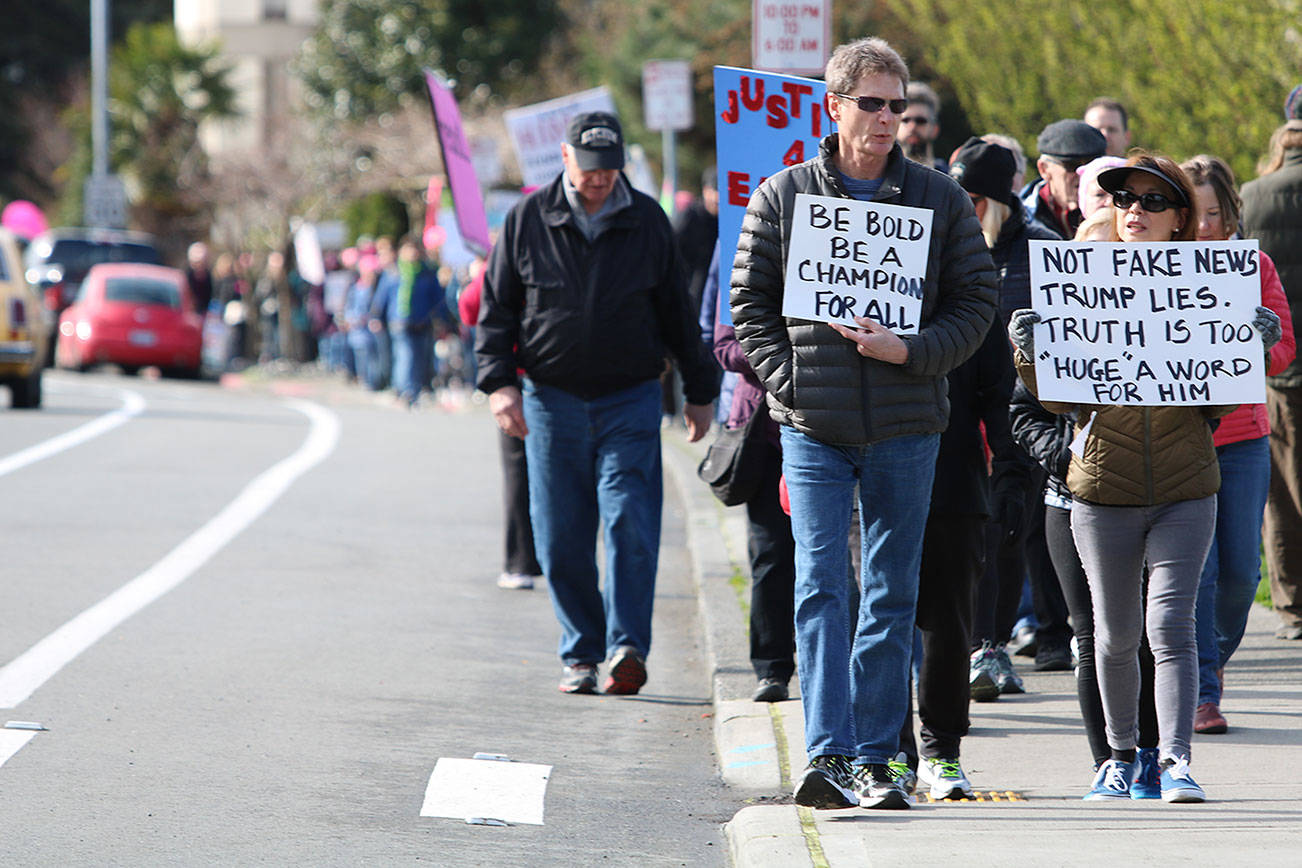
(763, 122)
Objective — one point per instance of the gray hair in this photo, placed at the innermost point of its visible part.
(851, 62)
(921, 93)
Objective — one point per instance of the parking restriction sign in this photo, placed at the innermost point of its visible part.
(790, 37)
(667, 94)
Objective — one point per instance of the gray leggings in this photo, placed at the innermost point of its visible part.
(1114, 543)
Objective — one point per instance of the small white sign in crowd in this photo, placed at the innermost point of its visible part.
(1147, 324)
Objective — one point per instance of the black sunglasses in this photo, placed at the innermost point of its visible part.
(1153, 203)
(874, 104)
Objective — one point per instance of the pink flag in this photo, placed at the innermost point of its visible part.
(467, 199)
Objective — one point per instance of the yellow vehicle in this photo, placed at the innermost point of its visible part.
(24, 332)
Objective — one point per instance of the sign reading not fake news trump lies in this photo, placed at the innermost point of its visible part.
(1147, 323)
(848, 258)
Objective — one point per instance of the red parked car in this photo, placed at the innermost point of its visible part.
(132, 315)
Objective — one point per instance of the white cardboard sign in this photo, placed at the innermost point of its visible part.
(537, 131)
(848, 258)
(1147, 323)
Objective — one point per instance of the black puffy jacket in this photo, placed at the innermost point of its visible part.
(590, 318)
(1045, 436)
(1011, 254)
(816, 380)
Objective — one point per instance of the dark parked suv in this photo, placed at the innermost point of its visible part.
(57, 262)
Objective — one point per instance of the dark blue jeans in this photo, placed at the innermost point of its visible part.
(856, 698)
(1233, 569)
(589, 462)
(411, 355)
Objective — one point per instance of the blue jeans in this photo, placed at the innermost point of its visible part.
(1233, 568)
(592, 461)
(856, 698)
(411, 354)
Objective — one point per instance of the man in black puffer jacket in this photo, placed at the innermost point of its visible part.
(859, 407)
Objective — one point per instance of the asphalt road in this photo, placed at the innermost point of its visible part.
(309, 624)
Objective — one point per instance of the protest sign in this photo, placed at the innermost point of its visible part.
(458, 164)
(537, 131)
(1147, 323)
(763, 122)
(848, 258)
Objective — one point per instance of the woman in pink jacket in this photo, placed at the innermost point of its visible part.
(1232, 571)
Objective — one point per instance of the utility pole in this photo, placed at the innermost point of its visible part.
(99, 85)
(105, 198)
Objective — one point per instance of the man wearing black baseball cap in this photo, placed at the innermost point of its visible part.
(1064, 147)
(584, 292)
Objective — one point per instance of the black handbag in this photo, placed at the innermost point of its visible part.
(734, 463)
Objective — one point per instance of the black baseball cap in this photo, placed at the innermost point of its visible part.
(597, 140)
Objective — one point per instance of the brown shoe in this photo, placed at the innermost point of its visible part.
(1208, 720)
(627, 672)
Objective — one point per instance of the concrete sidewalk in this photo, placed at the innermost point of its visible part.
(1026, 754)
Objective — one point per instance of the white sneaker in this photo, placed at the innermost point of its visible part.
(515, 582)
(945, 777)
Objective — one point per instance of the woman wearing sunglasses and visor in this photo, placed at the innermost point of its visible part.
(1143, 482)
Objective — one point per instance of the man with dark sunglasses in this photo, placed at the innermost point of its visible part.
(1064, 147)
(860, 413)
(920, 126)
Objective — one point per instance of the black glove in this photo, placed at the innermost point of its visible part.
(1011, 515)
(1021, 331)
(1267, 322)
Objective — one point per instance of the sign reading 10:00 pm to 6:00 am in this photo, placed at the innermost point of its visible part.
(791, 37)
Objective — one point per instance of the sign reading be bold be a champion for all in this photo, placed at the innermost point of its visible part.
(848, 258)
(1147, 324)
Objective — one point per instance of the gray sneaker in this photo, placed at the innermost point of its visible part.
(1005, 675)
(982, 675)
(877, 788)
(828, 783)
(906, 777)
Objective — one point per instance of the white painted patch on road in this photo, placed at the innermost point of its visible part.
(132, 405)
(485, 790)
(24, 675)
(12, 741)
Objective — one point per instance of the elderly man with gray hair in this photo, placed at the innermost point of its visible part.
(860, 409)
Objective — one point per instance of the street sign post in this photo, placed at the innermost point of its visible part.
(105, 202)
(667, 94)
(667, 106)
(789, 37)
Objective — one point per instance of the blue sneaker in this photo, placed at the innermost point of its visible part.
(1147, 783)
(1178, 785)
(1112, 782)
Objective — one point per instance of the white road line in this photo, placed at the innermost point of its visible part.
(25, 674)
(12, 741)
(132, 405)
